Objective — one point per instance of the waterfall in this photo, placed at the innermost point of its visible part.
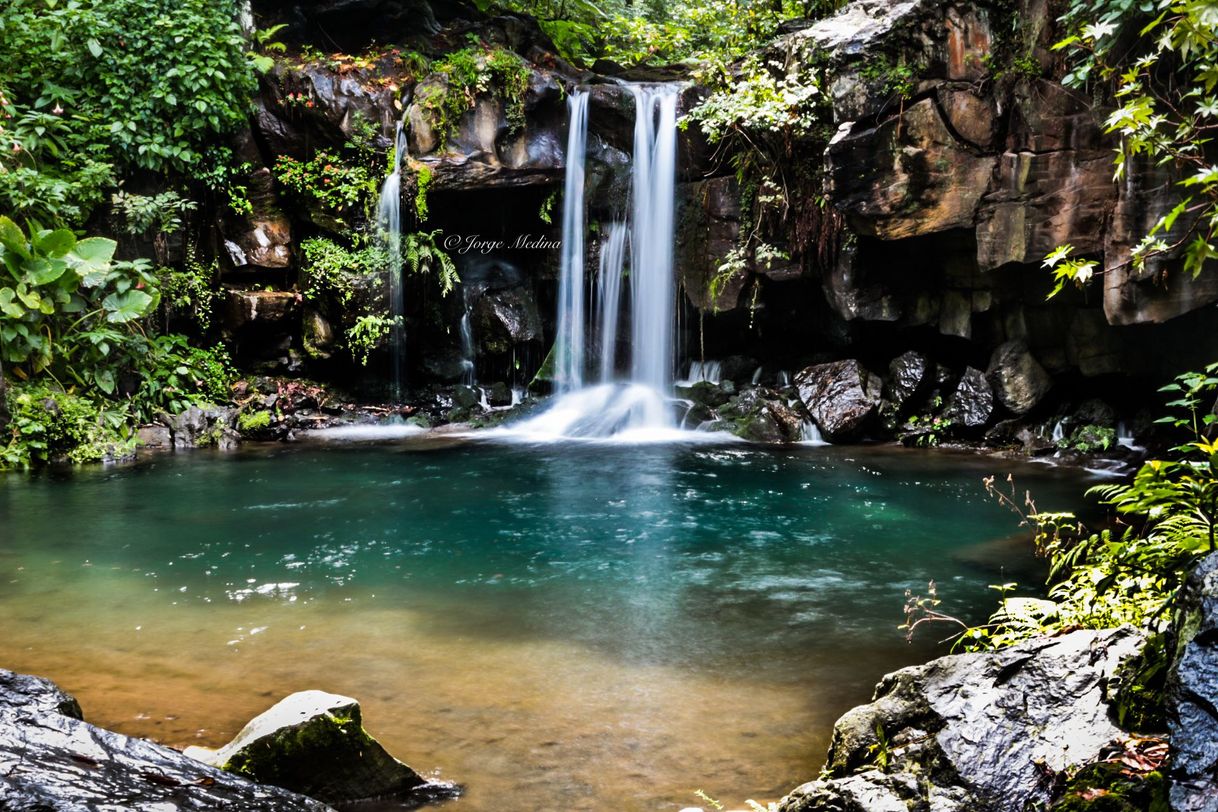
(651, 216)
(638, 408)
(389, 217)
(468, 355)
(569, 344)
(609, 294)
(708, 371)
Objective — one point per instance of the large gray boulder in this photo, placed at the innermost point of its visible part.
(982, 732)
(841, 396)
(971, 404)
(52, 760)
(314, 742)
(1192, 695)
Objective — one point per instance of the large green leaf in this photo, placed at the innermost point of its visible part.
(43, 271)
(55, 243)
(91, 258)
(13, 238)
(124, 307)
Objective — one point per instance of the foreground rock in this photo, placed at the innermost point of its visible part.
(1192, 697)
(984, 732)
(314, 742)
(51, 760)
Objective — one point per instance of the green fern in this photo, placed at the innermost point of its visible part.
(424, 255)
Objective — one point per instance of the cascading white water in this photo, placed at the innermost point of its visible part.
(389, 218)
(468, 376)
(609, 294)
(651, 217)
(708, 371)
(569, 344)
(640, 408)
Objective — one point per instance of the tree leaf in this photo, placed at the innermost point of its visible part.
(124, 307)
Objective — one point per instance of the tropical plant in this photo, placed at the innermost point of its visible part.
(1159, 62)
(95, 87)
(1166, 519)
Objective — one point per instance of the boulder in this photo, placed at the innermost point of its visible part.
(506, 318)
(50, 759)
(1018, 379)
(1192, 694)
(841, 396)
(908, 374)
(971, 404)
(203, 426)
(762, 416)
(983, 732)
(266, 307)
(314, 742)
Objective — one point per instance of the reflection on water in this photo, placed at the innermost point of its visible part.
(557, 627)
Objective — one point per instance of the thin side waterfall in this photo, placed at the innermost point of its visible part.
(389, 217)
(609, 294)
(652, 203)
(468, 356)
(569, 344)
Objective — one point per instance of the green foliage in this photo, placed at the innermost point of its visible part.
(65, 305)
(759, 100)
(328, 181)
(190, 291)
(93, 87)
(50, 424)
(331, 270)
(1089, 439)
(253, 421)
(423, 255)
(174, 376)
(367, 334)
(152, 214)
(422, 180)
(1159, 61)
(1167, 518)
(463, 76)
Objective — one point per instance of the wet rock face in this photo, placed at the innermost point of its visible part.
(314, 742)
(1018, 379)
(841, 396)
(982, 732)
(1192, 695)
(52, 760)
(972, 402)
(908, 374)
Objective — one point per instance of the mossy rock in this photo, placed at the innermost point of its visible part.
(314, 743)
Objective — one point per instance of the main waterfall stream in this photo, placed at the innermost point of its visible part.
(637, 408)
(571, 626)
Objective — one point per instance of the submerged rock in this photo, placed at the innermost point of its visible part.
(841, 396)
(1192, 695)
(982, 732)
(50, 759)
(315, 743)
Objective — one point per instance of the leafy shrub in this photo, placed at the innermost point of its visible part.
(96, 86)
(50, 424)
(326, 180)
(467, 73)
(1168, 517)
